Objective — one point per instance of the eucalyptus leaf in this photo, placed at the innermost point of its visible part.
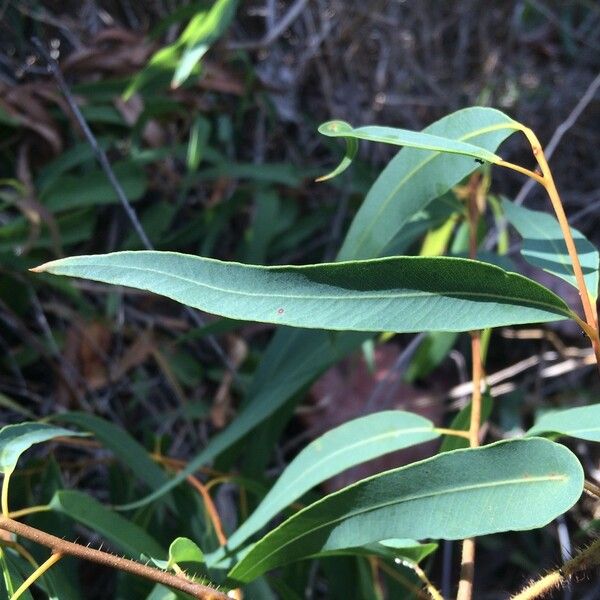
(582, 422)
(352, 443)
(544, 245)
(401, 294)
(510, 485)
(397, 137)
(415, 177)
(127, 536)
(16, 439)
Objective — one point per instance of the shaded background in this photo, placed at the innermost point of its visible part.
(224, 166)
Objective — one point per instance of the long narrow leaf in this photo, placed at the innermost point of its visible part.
(398, 137)
(349, 444)
(582, 422)
(544, 245)
(402, 294)
(414, 177)
(510, 485)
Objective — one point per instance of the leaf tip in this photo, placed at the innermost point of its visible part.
(335, 128)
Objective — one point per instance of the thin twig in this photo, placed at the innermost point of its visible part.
(54, 70)
(290, 16)
(560, 131)
(60, 546)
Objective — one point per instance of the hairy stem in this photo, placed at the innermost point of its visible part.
(586, 559)
(60, 546)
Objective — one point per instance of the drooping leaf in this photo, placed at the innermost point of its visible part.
(124, 534)
(397, 137)
(16, 439)
(413, 178)
(352, 443)
(401, 294)
(582, 422)
(544, 246)
(509, 485)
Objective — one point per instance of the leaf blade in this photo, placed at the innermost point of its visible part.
(544, 246)
(16, 439)
(581, 422)
(352, 443)
(389, 294)
(432, 498)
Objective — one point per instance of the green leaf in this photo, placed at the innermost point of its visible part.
(16, 439)
(397, 137)
(92, 189)
(127, 536)
(116, 439)
(401, 294)
(349, 444)
(582, 422)
(413, 178)
(202, 31)
(544, 246)
(462, 421)
(510, 485)
(184, 550)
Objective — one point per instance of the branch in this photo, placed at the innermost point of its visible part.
(63, 547)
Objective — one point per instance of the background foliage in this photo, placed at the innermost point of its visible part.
(217, 150)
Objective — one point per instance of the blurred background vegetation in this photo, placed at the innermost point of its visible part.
(207, 113)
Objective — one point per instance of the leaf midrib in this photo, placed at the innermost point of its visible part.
(497, 297)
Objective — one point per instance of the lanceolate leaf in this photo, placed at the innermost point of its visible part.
(349, 444)
(582, 422)
(401, 294)
(16, 439)
(413, 178)
(510, 485)
(397, 137)
(544, 246)
(124, 534)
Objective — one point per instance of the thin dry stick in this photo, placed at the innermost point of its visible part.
(467, 566)
(560, 131)
(54, 69)
(59, 546)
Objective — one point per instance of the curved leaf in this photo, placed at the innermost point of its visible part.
(582, 422)
(16, 439)
(349, 444)
(124, 534)
(413, 178)
(401, 294)
(510, 485)
(397, 137)
(544, 246)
